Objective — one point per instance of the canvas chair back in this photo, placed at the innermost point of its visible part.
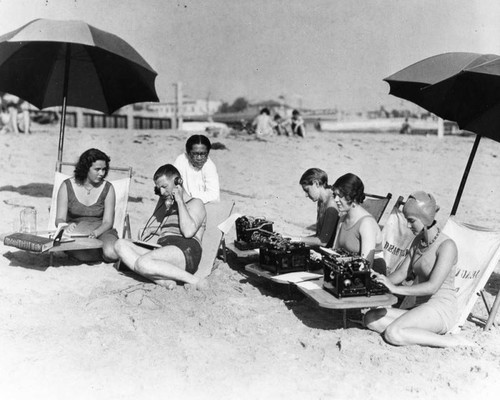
(121, 186)
(478, 255)
(376, 204)
(396, 237)
(213, 236)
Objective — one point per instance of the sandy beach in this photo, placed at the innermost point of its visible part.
(90, 332)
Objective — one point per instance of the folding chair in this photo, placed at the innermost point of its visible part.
(214, 237)
(478, 255)
(376, 204)
(121, 223)
(396, 237)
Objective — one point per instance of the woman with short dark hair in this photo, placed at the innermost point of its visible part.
(359, 232)
(198, 171)
(314, 183)
(87, 203)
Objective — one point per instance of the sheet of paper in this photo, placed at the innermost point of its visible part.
(310, 285)
(296, 277)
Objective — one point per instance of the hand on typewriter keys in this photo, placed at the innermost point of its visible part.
(382, 279)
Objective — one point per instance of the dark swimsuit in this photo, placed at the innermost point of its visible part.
(90, 217)
(172, 236)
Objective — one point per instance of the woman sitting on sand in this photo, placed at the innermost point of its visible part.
(87, 203)
(198, 171)
(314, 183)
(359, 232)
(431, 264)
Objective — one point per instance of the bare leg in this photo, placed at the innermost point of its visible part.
(108, 247)
(128, 252)
(421, 326)
(377, 319)
(166, 263)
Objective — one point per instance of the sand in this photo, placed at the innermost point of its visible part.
(90, 332)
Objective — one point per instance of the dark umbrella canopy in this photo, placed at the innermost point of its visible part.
(461, 87)
(60, 63)
(103, 72)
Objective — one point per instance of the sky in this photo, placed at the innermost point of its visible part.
(315, 53)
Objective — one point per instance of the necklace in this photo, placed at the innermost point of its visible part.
(88, 190)
(422, 241)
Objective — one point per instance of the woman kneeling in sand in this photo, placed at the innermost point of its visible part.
(431, 264)
(180, 227)
(359, 232)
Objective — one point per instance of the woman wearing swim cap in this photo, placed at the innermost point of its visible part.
(359, 231)
(431, 265)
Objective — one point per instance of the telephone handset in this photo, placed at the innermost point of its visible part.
(177, 182)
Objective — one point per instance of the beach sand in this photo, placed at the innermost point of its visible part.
(90, 332)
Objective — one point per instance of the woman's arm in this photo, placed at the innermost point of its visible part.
(368, 233)
(62, 204)
(211, 181)
(446, 256)
(108, 218)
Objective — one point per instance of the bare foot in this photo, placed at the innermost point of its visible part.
(201, 285)
(166, 283)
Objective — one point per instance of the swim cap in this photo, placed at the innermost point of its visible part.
(423, 206)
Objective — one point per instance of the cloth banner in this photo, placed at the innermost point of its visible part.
(396, 239)
(478, 255)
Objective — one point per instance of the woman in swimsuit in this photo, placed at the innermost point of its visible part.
(314, 183)
(431, 264)
(87, 203)
(179, 227)
(359, 232)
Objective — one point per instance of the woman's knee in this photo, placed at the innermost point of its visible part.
(372, 317)
(394, 334)
(108, 252)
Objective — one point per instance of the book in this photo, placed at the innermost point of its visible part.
(27, 241)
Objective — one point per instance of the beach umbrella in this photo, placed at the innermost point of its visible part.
(59, 63)
(460, 87)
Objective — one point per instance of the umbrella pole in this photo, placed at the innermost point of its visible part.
(466, 174)
(63, 114)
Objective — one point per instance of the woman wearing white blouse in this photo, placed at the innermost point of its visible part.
(198, 171)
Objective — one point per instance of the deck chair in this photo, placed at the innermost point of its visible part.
(121, 186)
(214, 237)
(396, 237)
(478, 255)
(376, 204)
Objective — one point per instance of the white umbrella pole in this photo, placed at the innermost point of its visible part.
(63, 114)
(465, 175)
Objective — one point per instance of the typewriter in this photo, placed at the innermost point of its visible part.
(280, 256)
(348, 275)
(250, 231)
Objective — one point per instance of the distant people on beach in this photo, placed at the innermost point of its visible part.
(87, 203)
(18, 120)
(198, 171)
(177, 225)
(314, 183)
(431, 265)
(359, 232)
(262, 124)
(405, 128)
(279, 125)
(298, 125)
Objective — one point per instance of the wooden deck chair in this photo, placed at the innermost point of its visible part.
(376, 204)
(213, 238)
(396, 237)
(478, 255)
(121, 186)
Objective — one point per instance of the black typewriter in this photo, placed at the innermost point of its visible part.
(348, 275)
(280, 256)
(250, 231)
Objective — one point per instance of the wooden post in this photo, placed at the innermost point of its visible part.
(440, 128)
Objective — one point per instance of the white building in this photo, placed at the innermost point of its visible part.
(189, 108)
